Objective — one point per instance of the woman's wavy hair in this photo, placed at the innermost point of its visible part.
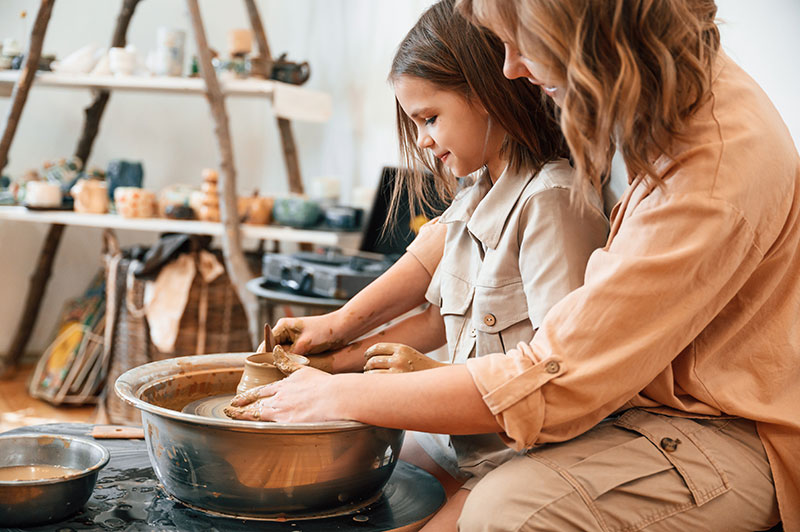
(443, 48)
(634, 70)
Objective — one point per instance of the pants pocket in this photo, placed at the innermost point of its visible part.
(638, 470)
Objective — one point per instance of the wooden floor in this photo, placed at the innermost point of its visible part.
(18, 409)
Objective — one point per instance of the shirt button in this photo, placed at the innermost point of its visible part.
(552, 367)
(489, 320)
(669, 445)
(473, 333)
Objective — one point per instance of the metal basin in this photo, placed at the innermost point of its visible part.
(30, 502)
(255, 470)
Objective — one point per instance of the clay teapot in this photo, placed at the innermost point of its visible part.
(290, 71)
(259, 369)
(91, 196)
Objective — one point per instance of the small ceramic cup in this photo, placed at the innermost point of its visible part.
(259, 370)
(91, 196)
(133, 202)
(42, 194)
(121, 62)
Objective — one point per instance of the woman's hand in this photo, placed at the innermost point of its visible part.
(397, 358)
(299, 398)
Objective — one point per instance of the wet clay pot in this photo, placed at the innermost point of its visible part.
(259, 370)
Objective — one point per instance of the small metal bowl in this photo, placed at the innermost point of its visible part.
(29, 502)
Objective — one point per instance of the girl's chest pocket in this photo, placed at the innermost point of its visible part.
(456, 309)
(500, 318)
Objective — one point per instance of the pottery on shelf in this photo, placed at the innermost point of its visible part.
(209, 209)
(43, 194)
(255, 209)
(134, 202)
(259, 370)
(120, 173)
(91, 196)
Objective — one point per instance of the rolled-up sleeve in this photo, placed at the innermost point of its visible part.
(428, 246)
(674, 263)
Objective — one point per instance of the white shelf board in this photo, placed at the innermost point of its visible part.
(344, 240)
(290, 101)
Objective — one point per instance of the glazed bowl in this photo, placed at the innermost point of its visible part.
(259, 369)
(249, 469)
(71, 463)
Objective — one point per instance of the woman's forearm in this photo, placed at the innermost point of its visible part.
(441, 400)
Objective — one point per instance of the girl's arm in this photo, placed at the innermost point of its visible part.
(423, 331)
(400, 289)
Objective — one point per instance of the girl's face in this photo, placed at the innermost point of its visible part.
(455, 129)
(517, 65)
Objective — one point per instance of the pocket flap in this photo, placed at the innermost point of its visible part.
(456, 294)
(619, 465)
(498, 308)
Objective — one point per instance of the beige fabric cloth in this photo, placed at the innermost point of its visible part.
(712, 475)
(165, 298)
(512, 250)
(693, 306)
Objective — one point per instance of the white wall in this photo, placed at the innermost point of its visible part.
(349, 44)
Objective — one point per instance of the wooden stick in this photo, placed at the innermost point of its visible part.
(23, 85)
(36, 289)
(264, 54)
(94, 112)
(117, 432)
(232, 251)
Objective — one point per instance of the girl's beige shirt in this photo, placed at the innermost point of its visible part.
(693, 306)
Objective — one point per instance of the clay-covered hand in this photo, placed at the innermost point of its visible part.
(299, 398)
(309, 335)
(397, 358)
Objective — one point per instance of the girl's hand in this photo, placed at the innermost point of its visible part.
(310, 335)
(299, 398)
(397, 358)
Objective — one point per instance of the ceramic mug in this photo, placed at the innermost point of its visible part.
(121, 62)
(42, 194)
(91, 196)
(135, 202)
(259, 370)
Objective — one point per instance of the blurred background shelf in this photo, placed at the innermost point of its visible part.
(288, 101)
(344, 240)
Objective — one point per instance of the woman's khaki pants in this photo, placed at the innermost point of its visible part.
(640, 471)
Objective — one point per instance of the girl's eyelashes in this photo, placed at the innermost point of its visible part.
(430, 121)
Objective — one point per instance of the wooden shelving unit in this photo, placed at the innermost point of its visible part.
(344, 240)
(287, 101)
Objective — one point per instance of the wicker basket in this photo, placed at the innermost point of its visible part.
(213, 321)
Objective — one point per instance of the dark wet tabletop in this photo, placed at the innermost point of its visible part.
(128, 497)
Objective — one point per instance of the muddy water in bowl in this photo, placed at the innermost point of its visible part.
(259, 369)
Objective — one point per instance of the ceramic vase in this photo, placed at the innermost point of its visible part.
(259, 370)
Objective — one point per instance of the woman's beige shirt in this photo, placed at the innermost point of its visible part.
(693, 306)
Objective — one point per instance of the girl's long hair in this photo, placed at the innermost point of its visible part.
(634, 70)
(443, 48)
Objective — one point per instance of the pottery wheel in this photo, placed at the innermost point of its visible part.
(210, 406)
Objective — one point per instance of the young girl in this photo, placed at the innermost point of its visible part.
(517, 239)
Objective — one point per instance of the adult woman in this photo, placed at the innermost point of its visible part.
(686, 326)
